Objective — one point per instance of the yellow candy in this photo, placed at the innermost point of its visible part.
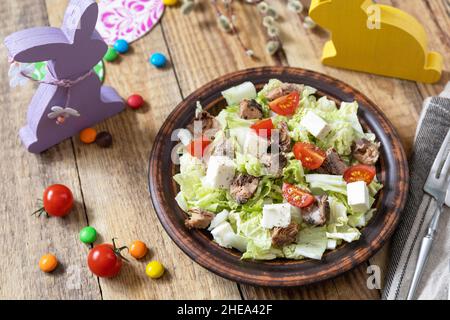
(170, 2)
(154, 269)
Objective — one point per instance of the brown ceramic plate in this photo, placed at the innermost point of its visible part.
(392, 172)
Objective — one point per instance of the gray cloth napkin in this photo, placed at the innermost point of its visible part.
(433, 126)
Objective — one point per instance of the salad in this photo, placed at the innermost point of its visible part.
(278, 173)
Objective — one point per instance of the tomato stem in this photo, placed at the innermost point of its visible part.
(39, 212)
(117, 250)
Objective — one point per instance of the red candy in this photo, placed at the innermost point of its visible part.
(135, 101)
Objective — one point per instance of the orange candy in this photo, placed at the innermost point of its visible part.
(138, 249)
(48, 262)
(88, 135)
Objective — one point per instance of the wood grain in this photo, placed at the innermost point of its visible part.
(25, 238)
(113, 181)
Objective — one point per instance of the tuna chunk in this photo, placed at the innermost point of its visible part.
(283, 90)
(333, 164)
(366, 152)
(250, 109)
(206, 122)
(243, 187)
(285, 236)
(199, 219)
(285, 139)
(317, 213)
(274, 163)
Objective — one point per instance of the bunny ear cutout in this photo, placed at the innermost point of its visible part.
(80, 18)
(36, 44)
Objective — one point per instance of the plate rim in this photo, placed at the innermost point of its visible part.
(299, 281)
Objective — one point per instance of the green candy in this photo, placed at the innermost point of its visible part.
(111, 54)
(88, 235)
(40, 70)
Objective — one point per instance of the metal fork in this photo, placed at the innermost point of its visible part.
(436, 186)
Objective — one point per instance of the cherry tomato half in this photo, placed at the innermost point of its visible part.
(105, 260)
(360, 172)
(286, 105)
(264, 128)
(311, 156)
(198, 146)
(296, 196)
(58, 200)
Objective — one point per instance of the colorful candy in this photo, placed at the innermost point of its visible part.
(135, 101)
(154, 270)
(170, 2)
(104, 139)
(111, 55)
(158, 60)
(48, 262)
(138, 249)
(121, 46)
(88, 235)
(88, 135)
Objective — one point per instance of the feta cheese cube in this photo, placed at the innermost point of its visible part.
(315, 125)
(255, 145)
(358, 196)
(276, 215)
(220, 172)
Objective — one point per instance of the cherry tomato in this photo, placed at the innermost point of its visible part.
(360, 172)
(311, 156)
(105, 260)
(58, 200)
(138, 249)
(263, 128)
(198, 146)
(48, 262)
(286, 105)
(296, 196)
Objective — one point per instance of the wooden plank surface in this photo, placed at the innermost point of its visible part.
(24, 238)
(111, 184)
(114, 181)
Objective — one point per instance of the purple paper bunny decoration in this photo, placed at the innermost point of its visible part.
(70, 88)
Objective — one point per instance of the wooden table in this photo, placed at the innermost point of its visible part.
(110, 185)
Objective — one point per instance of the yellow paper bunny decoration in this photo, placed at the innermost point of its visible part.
(377, 39)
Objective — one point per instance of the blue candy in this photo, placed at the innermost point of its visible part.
(121, 46)
(158, 60)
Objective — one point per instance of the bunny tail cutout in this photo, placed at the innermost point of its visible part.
(433, 68)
